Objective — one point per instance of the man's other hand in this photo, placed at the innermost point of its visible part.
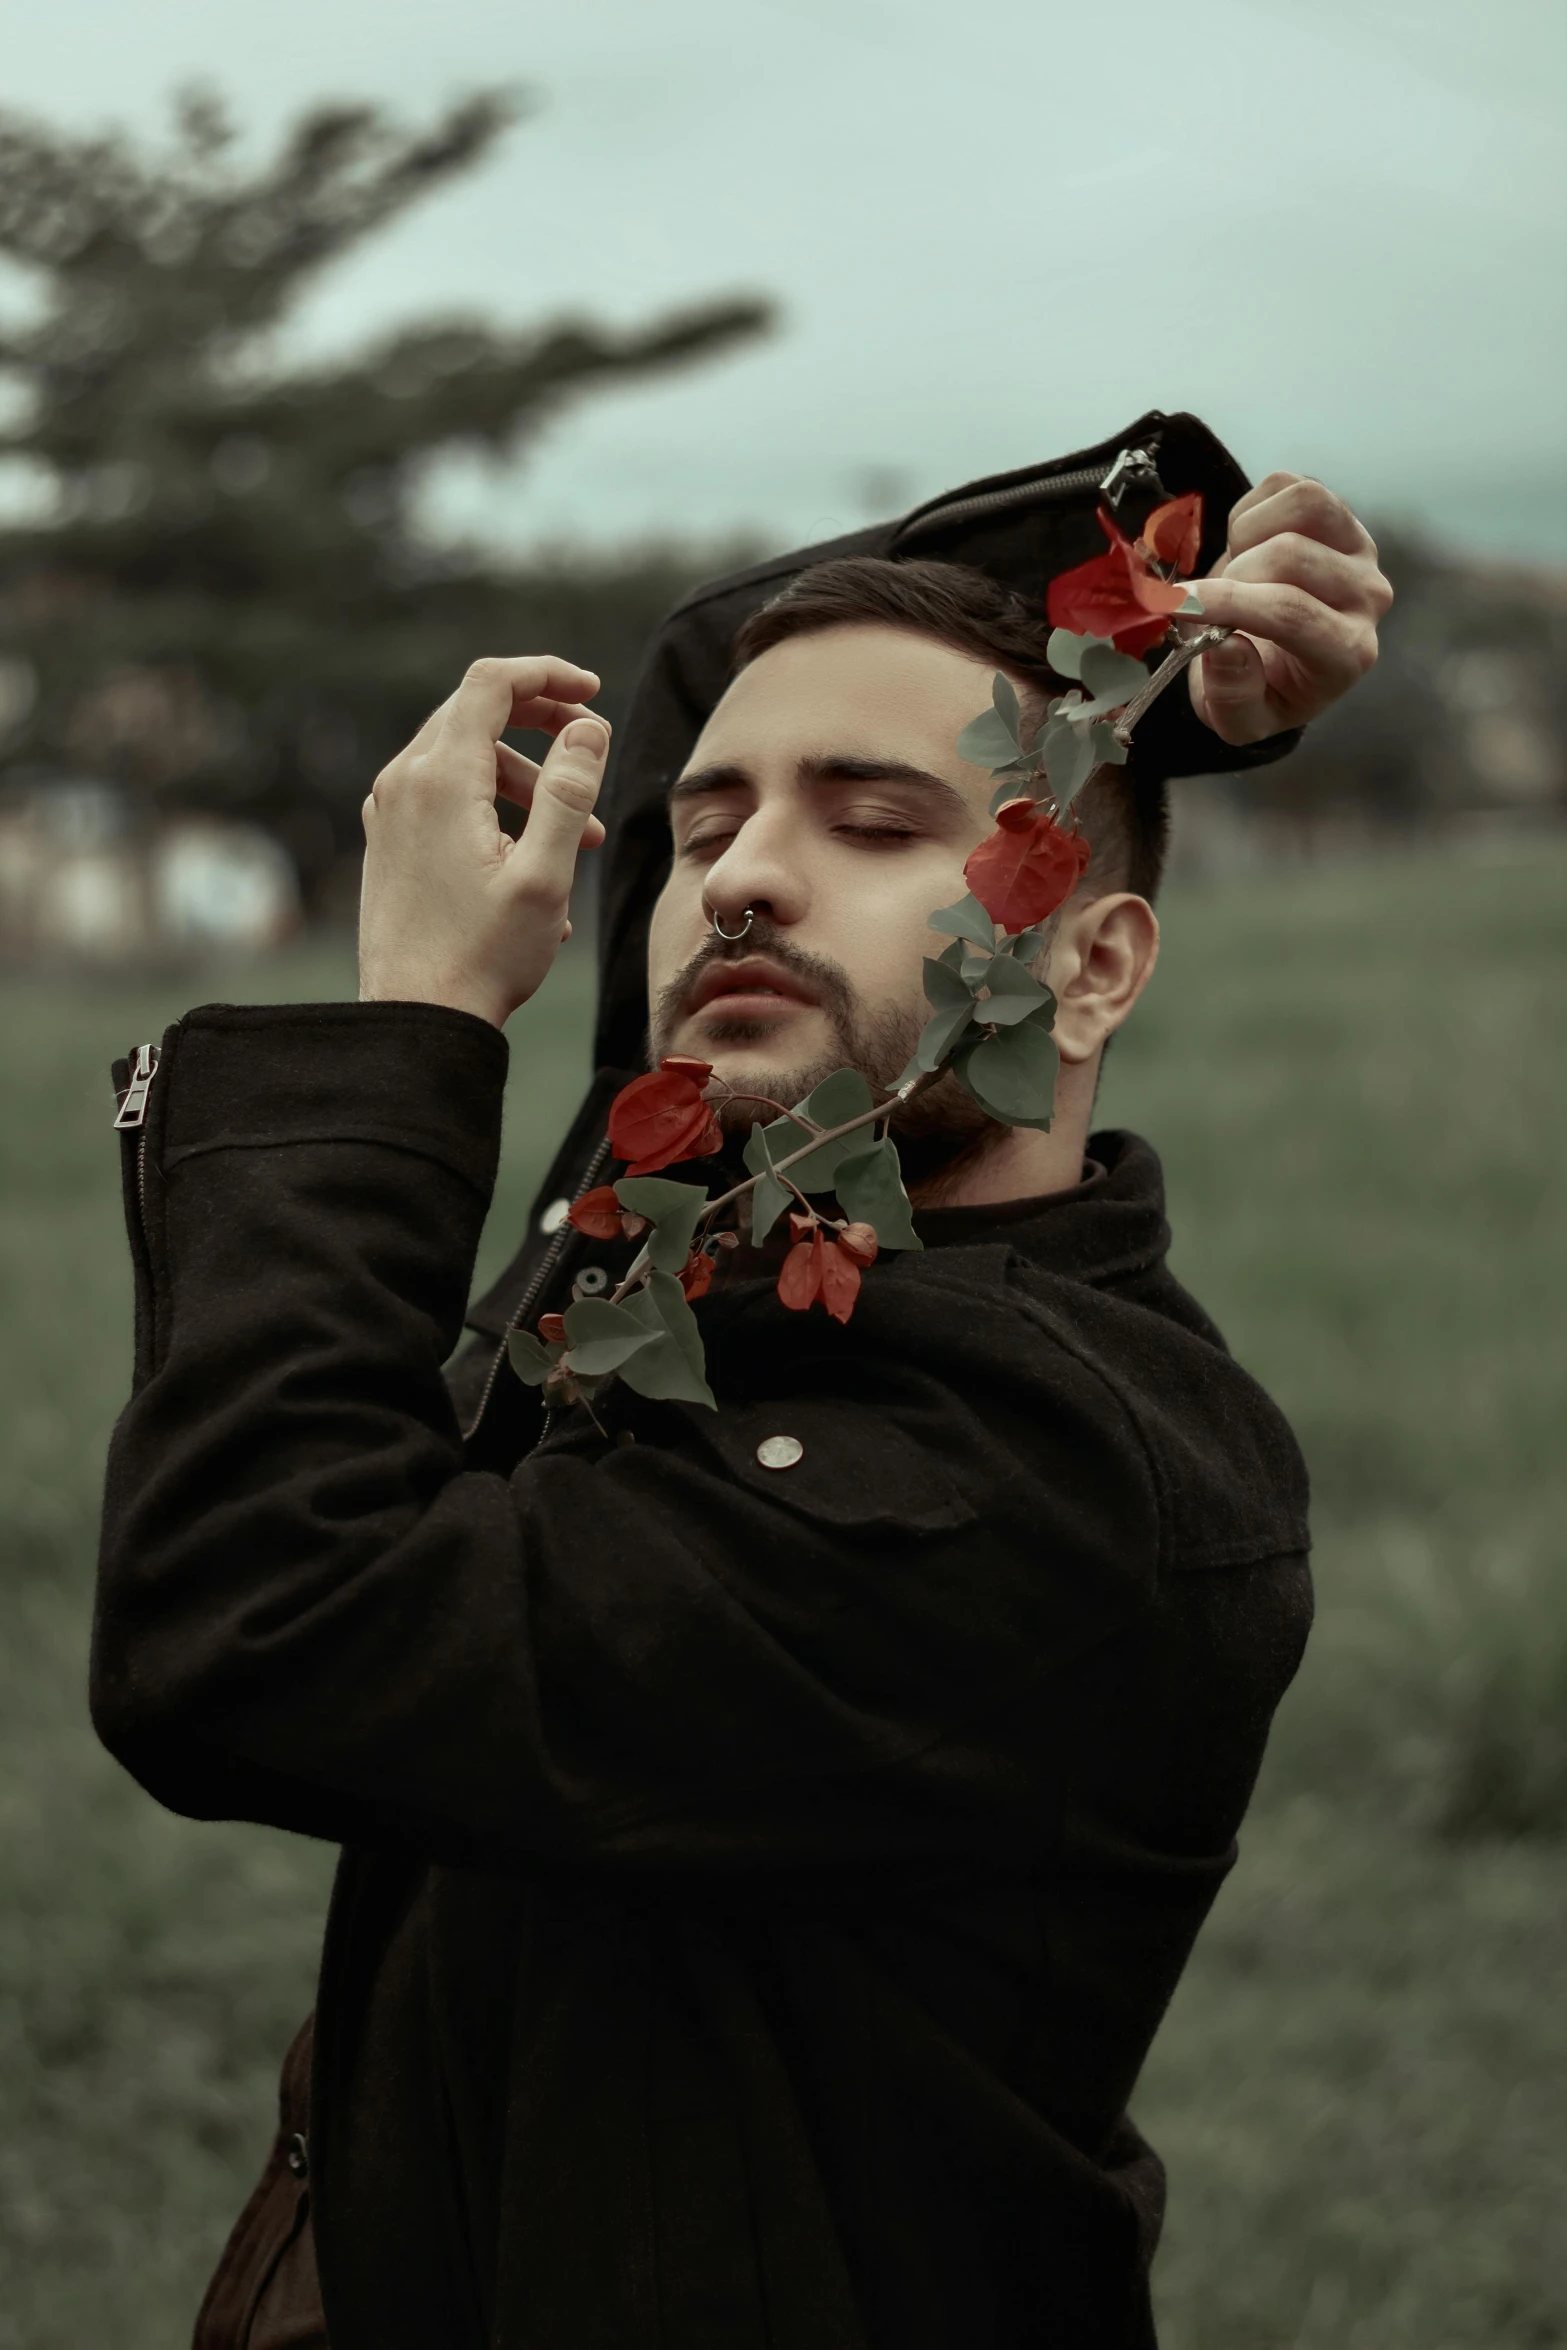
(452, 911)
(1299, 579)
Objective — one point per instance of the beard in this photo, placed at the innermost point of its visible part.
(940, 1135)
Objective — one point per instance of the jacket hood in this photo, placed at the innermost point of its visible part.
(1022, 528)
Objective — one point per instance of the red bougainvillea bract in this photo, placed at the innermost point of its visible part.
(1119, 595)
(660, 1119)
(1173, 532)
(598, 1213)
(696, 1274)
(1027, 867)
(818, 1268)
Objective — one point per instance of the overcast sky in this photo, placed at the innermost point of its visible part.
(1335, 228)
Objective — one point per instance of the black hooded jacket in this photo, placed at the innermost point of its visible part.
(760, 1887)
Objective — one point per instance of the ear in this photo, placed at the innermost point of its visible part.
(1102, 960)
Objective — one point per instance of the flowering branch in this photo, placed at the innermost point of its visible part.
(990, 1029)
(1170, 668)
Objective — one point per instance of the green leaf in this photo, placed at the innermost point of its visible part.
(1014, 994)
(770, 1198)
(1028, 943)
(986, 741)
(529, 1358)
(1109, 749)
(673, 1368)
(870, 1190)
(1003, 694)
(845, 1094)
(937, 1035)
(967, 919)
(841, 1096)
(655, 1196)
(1010, 788)
(600, 1337)
(671, 1208)
(1012, 1076)
(1065, 652)
(1069, 762)
(951, 958)
(1106, 672)
(974, 968)
(944, 987)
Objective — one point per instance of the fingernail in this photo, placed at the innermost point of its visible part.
(587, 734)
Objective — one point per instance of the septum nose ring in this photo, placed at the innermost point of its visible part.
(732, 935)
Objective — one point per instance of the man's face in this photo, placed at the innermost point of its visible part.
(826, 793)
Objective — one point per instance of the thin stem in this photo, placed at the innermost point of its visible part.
(1169, 669)
(905, 1093)
(768, 1103)
(884, 1109)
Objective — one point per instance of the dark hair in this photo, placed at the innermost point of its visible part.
(1125, 818)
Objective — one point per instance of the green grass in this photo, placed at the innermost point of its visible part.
(1362, 2086)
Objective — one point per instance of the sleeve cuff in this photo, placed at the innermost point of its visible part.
(414, 1077)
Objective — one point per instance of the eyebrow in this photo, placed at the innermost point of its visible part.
(826, 767)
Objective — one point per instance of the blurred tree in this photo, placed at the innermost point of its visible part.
(223, 597)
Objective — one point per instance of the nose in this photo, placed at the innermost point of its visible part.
(757, 870)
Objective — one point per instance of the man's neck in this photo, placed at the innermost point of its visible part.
(1017, 1164)
(1012, 1162)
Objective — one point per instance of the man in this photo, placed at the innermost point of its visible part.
(765, 1863)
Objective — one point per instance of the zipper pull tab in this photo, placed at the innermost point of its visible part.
(144, 1068)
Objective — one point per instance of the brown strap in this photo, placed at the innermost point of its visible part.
(264, 2294)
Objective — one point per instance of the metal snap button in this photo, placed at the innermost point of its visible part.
(555, 1215)
(590, 1282)
(298, 2155)
(780, 1452)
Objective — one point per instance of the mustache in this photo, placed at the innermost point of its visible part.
(827, 982)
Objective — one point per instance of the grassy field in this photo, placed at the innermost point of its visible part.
(1355, 1078)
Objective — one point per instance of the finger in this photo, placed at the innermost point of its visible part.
(545, 716)
(544, 859)
(515, 775)
(497, 693)
(1230, 692)
(1336, 648)
(1295, 503)
(1266, 488)
(1350, 583)
(515, 780)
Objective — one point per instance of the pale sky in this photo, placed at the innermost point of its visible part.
(1335, 228)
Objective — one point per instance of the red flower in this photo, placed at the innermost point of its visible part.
(552, 1329)
(661, 1118)
(1027, 867)
(819, 1268)
(598, 1213)
(696, 1274)
(1119, 595)
(1173, 532)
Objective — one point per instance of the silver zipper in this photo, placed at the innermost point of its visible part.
(144, 1068)
(541, 1274)
(1128, 468)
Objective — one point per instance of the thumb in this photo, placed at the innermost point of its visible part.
(544, 859)
(1229, 690)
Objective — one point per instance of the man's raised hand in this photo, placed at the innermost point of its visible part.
(1299, 579)
(452, 911)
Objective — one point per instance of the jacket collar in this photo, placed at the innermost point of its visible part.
(1103, 1229)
